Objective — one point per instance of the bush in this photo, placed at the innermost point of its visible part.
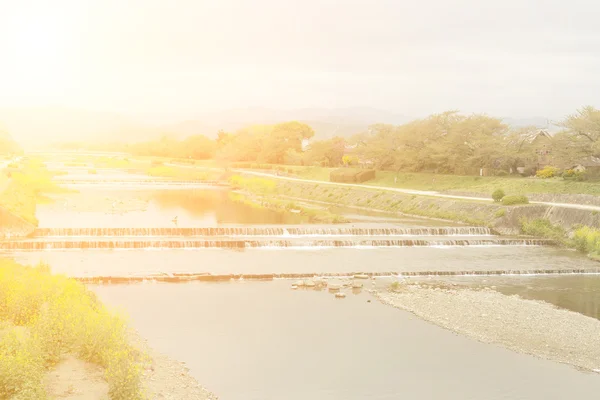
(498, 195)
(501, 213)
(587, 240)
(574, 175)
(502, 173)
(514, 200)
(542, 228)
(547, 172)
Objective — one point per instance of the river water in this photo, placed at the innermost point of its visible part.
(261, 340)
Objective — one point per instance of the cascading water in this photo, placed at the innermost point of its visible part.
(259, 231)
(33, 245)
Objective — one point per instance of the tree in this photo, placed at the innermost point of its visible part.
(326, 152)
(583, 127)
(283, 137)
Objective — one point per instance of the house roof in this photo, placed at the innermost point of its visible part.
(538, 133)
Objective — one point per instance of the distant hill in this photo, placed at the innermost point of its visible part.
(41, 127)
(326, 122)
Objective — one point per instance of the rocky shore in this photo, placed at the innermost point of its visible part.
(525, 326)
(168, 379)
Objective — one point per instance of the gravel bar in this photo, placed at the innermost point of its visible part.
(525, 326)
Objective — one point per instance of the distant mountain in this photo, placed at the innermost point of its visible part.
(40, 127)
(326, 122)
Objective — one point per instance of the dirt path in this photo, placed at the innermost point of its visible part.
(163, 379)
(73, 379)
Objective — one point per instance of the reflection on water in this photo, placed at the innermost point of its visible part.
(262, 341)
(157, 208)
(576, 293)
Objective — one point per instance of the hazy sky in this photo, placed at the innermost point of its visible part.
(508, 58)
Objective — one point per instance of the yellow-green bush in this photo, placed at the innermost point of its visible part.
(547, 172)
(59, 316)
(587, 240)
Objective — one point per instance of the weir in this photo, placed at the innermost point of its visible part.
(259, 231)
(242, 244)
(206, 277)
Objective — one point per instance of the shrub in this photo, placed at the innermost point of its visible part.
(574, 175)
(501, 213)
(541, 227)
(514, 200)
(547, 172)
(502, 173)
(587, 239)
(498, 195)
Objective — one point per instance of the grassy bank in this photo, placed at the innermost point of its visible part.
(438, 182)
(26, 188)
(45, 317)
(473, 213)
(262, 193)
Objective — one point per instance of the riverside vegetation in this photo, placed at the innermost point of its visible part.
(27, 186)
(45, 317)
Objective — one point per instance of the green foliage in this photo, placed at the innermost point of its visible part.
(500, 213)
(498, 195)
(514, 200)
(542, 228)
(49, 316)
(548, 172)
(587, 240)
(255, 185)
(351, 175)
(574, 175)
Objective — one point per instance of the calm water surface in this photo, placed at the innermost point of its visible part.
(263, 341)
(308, 260)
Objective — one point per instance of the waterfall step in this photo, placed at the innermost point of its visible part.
(241, 244)
(260, 231)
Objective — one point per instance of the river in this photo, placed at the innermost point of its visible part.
(248, 340)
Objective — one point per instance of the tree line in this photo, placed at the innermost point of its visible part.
(449, 142)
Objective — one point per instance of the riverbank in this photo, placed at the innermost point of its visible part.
(58, 339)
(525, 326)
